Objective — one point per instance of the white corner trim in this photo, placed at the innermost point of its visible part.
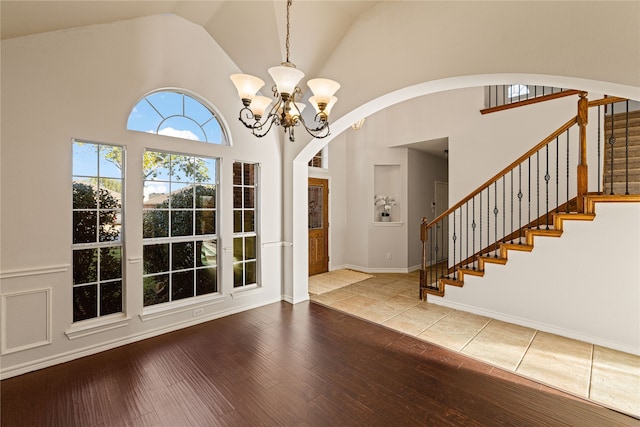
(24, 272)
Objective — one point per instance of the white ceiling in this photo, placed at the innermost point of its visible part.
(251, 32)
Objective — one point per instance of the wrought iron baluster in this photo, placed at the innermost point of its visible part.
(488, 221)
(567, 210)
(538, 188)
(461, 237)
(434, 262)
(529, 191)
(489, 90)
(547, 177)
(512, 230)
(454, 238)
(599, 175)
(495, 216)
(473, 227)
(612, 141)
(557, 173)
(480, 215)
(520, 203)
(504, 213)
(442, 247)
(626, 148)
(467, 239)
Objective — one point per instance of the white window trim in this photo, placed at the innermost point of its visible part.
(97, 325)
(157, 311)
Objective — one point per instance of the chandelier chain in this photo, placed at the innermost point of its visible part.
(289, 2)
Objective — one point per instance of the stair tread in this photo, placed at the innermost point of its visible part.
(518, 247)
(493, 260)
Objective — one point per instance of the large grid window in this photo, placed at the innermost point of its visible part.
(245, 237)
(179, 227)
(97, 230)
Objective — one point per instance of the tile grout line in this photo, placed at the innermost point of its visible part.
(526, 350)
(432, 324)
(475, 335)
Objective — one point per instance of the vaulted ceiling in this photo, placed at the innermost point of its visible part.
(251, 32)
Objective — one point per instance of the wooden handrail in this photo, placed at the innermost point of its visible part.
(606, 101)
(506, 170)
(530, 101)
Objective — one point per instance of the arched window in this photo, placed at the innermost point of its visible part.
(178, 115)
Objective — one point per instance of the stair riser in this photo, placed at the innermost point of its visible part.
(620, 150)
(621, 124)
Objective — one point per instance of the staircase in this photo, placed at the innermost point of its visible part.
(627, 140)
(531, 199)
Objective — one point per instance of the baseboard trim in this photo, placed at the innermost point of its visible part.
(378, 270)
(544, 327)
(46, 362)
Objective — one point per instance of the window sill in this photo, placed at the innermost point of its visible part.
(96, 326)
(246, 291)
(388, 224)
(168, 309)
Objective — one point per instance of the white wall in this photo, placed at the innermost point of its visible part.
(583, 285)
(82, 83)
(402, 50)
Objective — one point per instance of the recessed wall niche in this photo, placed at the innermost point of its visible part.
(387, 183)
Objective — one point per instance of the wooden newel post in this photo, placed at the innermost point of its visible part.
(424, 234)
(583, 173)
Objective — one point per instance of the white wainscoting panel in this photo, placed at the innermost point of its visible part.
(26, 320)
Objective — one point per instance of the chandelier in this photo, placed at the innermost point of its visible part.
(287, 111)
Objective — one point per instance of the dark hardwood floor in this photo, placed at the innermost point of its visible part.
(284, 365)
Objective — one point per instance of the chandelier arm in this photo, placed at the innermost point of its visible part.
(271, 118)
(322, 131)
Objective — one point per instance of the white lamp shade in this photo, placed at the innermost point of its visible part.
(247, 85)
(285, 78)
(314, 101)
(259, 105)
(323, 89)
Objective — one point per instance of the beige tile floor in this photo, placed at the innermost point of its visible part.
(606, 376)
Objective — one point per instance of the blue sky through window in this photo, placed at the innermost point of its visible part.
(177, 115)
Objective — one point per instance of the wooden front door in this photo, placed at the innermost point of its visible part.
(318, 226)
